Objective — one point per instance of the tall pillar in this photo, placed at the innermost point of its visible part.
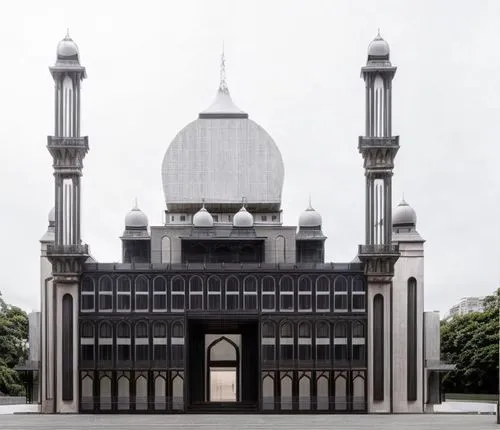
(67, 253)
(378, 148)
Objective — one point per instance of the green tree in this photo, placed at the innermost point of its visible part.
(471, 343)
(13, 339)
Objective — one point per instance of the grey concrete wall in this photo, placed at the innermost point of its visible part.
(432, 348)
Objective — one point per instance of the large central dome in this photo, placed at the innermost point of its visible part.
(220, 159)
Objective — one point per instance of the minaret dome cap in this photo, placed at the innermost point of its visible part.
(67, 49)
(378, 48)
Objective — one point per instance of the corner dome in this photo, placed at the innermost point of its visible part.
(404, 215)
(203, 218)
(310, 218)
(52, 217)
(243, 218)
(136, 219)
(67, 49)
(378, 48)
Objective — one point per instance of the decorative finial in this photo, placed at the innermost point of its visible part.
(243, 200)
(310, 205)
(203, 203)
(136, 206)
(67, 33)
(223, 84)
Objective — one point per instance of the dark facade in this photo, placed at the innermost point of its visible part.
(144, 336)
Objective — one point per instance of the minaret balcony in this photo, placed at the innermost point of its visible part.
(387, 249)
(54, 250)
(68, 142)
(378, 142)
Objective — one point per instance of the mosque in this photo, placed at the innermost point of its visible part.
(223, 308)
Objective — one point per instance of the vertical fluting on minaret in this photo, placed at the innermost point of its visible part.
(67, 147)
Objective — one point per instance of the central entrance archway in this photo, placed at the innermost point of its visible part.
(223, 365)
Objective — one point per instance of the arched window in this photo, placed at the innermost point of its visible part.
(214, 293)
(87, 342)
(178, 391)
(123, 383)
(141, 342)
(178, 294)
(340, 294)
(358, 295)
(105, 392)
(286, 294)
(340, 385)
(159, 343)
(340, 342)
(123, 294)
(358, 342)
(105, 294)
(159, 294)
(105, 342)
(268, 392)
(323, 294)
(141, 294)
(268, 294)
(286, 392)
(123, 340)
(322, 396)
(232, 293)
(305, 391)
(305, 341)
(88, 294)
(250, 293)
(358, 391)
(286, 341)
(322, 341)
(165, 250)
(141, 392)
(177, 344)
(195, 293)
(280, 250)
(305, 293)
(268, 341)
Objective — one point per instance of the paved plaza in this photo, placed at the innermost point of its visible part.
(252, 422)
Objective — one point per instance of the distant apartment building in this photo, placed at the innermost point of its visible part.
(466, 305)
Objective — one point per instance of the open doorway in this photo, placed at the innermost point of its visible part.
(222, 367)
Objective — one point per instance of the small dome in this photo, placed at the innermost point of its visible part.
(67, 49)
(52, 216)
(404, 214)
(378, 48)
(243, 218)
(202, 218)
(310, 218)
(136, 219)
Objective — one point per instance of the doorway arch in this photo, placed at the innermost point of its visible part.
(223, 355)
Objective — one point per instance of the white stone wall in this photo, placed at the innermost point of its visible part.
(410, 264)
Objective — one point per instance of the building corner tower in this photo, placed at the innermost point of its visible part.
(66, 253)
(379, 255)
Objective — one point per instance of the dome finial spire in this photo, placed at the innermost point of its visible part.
(310, 204)
(136, 205)
(223, 84)
(67, 33)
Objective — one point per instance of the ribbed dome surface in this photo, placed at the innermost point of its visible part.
(243, 218)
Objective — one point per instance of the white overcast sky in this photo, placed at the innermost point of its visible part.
(294, 66)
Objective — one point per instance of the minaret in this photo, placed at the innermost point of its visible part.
(378, 254)
(67, 253)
